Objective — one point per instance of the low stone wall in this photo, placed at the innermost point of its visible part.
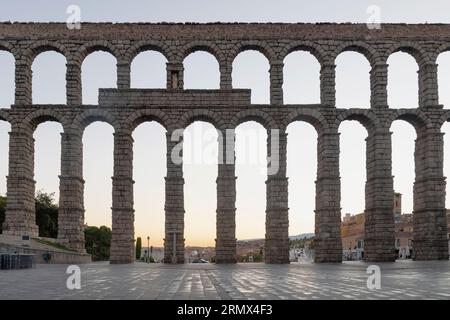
(12, 244)
(56, 257)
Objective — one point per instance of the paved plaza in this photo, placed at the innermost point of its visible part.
(400, 280)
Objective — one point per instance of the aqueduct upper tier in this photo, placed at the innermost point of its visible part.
(225, 108)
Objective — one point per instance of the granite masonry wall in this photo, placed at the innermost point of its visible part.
(175, 108)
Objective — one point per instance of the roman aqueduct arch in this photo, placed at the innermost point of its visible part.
(175, 108)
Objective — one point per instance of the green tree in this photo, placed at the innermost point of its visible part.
(138, 248)
(98, 242)
(46, 214)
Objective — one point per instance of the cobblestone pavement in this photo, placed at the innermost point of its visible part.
(400, 280)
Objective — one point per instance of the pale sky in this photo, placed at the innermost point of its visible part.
(250, 70)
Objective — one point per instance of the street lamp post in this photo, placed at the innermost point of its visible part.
(148, 249)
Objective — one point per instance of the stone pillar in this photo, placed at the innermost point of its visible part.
(379, 235)
(226, 199)
(73, 83)
(276, 82)
(429, 216)
(122, 239)
(328, 84)
(20, 215)
(175, 75)
(123, 75)
(225, 76)
(71, 189)
(174, 206)
(428, 85)
(23, 76)
(277, 211)
(378, 86)
(327, 242)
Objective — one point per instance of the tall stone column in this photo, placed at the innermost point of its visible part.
(327, 241)
(71, 192)
(175, 75)
(379, 235)
(123, 74)
(378, 86)
(122, 239)
(276, 82)
(277, 211)
(428, 85)
(225, 76)
(73, 83)
(23, 76)
(174, 205)
(20, 216)
(226, 199)
(429, 216)
(328, 84)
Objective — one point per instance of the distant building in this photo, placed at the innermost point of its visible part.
(352, 232)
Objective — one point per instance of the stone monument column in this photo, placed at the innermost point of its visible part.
(327, 241)
(122, 239)
(71, 189)
(429, 215)
(276, 82)
(379, 234)
(378, 85)
(175, 74)
(328, 84)
(73, 82)
(226, 199)
(277, 211)
(20, 217)
(174, 205)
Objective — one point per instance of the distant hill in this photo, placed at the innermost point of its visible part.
(302, 236)
(297, 237)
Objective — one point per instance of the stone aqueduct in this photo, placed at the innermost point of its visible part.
(225, 108)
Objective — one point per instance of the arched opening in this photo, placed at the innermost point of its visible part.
(352, 80)
(5, 128)
(251, 71)
(403, 170)
(7, 82)
(301, 172)
(301, 78)
(403, 145)
(200, 163)
(49, 78)
(443, 75)
(403, 83)
(96, 63)
(149, 170)
(352, 167)
(47, 167)
(446, 131)
(98, 154)
(251, 172)
(201, 71)
(148, 70)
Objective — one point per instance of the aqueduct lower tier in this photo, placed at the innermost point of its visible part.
(225, 108)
